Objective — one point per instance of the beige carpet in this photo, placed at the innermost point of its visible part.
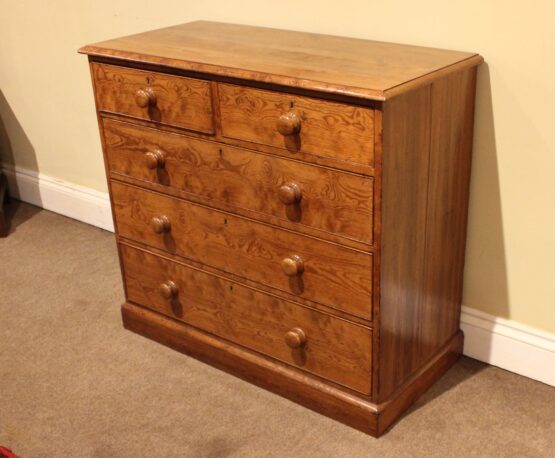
(73, 383)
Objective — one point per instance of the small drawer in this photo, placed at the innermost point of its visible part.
(165, 99)
(315, 270)
(330, 201)
(299, 124)
(318, 343)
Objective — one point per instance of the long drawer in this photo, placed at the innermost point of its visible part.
(328, 346)
(313, 269)
(299, 124)
(166, 99)
(330, 201)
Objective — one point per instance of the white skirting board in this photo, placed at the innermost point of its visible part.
(510, 345)
(68, 199)
(497, 341)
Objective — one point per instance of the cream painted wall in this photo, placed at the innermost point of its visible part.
(47, 109)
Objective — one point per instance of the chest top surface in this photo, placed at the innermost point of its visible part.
(353, 67)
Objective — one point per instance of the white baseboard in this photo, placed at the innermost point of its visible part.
(497, 341)
(510, 345)
(68, 199)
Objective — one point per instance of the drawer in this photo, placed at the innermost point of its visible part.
(323, 199)
(165, 99)
(317, 127)
(328, 346)
(309, 268)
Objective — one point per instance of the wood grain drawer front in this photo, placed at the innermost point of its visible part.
(327, 346)
(167, 99)
(312, 269)
(330, 201)
(318, 127)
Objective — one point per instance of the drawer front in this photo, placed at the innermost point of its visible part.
(328, 346)
(166, 99)
(318, 127)
(330, 201)
(315, 270)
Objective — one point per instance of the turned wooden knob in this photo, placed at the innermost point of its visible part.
(289, 124)
(145, 97)
(154, 159)
(160, 224)
(290, 193)
(168, 290)
(296, 338)
(292, 266)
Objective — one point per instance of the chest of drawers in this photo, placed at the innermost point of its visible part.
(291, 207)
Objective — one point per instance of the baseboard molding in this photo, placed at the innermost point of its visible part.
(510, 345)
(68, 199)
(497, 341)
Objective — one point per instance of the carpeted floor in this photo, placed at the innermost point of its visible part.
(74, 383)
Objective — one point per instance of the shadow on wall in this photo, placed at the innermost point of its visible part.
(485, 281)
(16, 149)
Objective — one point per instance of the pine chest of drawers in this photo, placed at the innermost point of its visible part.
(291, 208)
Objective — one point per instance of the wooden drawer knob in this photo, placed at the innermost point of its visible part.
(290, 193)
(145, 97)
(296, 338)
(160, 224)
(292, 266)
(289, 124)
(154, 159)
(168, 290)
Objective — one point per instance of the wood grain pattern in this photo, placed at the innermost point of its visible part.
(359, 68)
(105, 162)
(322, 396)
(237, 277)
(327, 129)
(331, 201)
(425, 376)
(333, 275)
(376, 274)
(334, 349)
(448, 192)
(298, 218)
(180, 102)
(406, 144)
(358, 169)
(427, 148)
(285, 380)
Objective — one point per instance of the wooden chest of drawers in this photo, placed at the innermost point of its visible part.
(291, 208)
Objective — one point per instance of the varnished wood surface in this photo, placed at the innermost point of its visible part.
(406, 142)
(333, 275)
(324, 345)
(371, 141)
(376, 274)
(236, 277)
(427, 146)
(287, 381)
(330, 201)
(177, 101)
(449, 179)
(329, 162)
(327, 129)
(425, 376)
(350, 66)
